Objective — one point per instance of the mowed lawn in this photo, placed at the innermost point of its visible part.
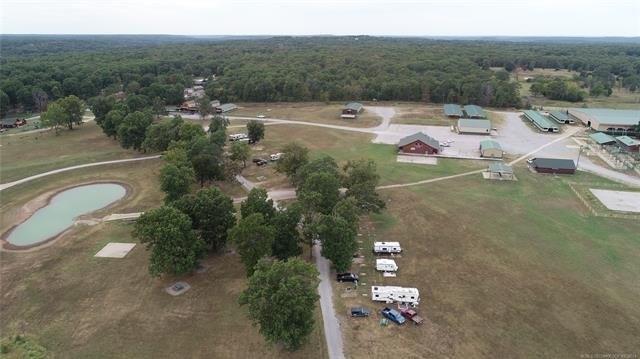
(504, 269)
(29, 154)
(344, 146)
(327, 113)
(78, 306)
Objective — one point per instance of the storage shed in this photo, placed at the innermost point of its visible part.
(351, 110)
(481, 127)
(419, 143)
(474, 111)
(226, 107)
(553, 165)
(628, 143)
(453, 110)
(490, 149)
(602, 138)
(500, 170)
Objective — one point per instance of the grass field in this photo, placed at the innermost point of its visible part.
(306, 111)
(420, 114)
(78, 306)
(505, 270)
(25, 155)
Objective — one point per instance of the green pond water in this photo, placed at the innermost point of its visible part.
(60, 213)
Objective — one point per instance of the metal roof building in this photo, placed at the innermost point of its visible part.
(226, 107)
(602, 138)
(554, 165)
(419, 143)
(540, 121)
(351, 109)
(474, 111)
(490, 149)
(629, 143)
(602, 119)
(500, 170)
(467, 125)
(561, 117)
(453, 110)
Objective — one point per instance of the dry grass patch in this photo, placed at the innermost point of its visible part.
(421, 114)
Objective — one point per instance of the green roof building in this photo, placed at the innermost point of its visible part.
(490, 149)
(474, 111)
(606, 120)
(453, 110)
(629, 143)
(561, 117)
(602, 138)
(541, 122)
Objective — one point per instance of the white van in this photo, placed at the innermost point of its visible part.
(386, 247)
(386, 265)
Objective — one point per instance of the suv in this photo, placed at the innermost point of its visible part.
(393, 315)
(347, 277)
(360, 312)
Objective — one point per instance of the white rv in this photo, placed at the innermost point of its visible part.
(386, 247)
(390, 294)
(386, 265)
(238, 137)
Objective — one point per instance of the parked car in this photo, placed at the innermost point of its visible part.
(261, 162)
(261, 116)
(347, 277)
(530, 160)
(393, 315)
(412, 315)
(360, 312)
(276, 156)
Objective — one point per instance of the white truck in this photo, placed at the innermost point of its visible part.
(391, 294)
(386, 247)
(276, 156)
(386, 265)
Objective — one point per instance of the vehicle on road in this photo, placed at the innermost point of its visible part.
(412, 315)
(393, 315)
(261, 116)
(360, 312)
(530, 160)
(260, 161)
(238, 137)
(347, 277)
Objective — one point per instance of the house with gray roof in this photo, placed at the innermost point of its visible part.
(419, 143)
(351, 110)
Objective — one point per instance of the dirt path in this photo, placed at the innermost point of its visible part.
(332, 331)
(60, 170)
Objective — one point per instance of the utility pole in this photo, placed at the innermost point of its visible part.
(579, 153)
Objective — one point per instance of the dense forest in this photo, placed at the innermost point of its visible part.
(36, 70)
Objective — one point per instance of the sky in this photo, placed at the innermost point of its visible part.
(314, 17)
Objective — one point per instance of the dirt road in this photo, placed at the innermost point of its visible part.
(332, 331)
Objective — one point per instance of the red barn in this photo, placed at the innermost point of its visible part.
(419, 143)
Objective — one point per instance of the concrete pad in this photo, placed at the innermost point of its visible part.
(423, 160)
(178, 288)
(618, 200)
(115, 250)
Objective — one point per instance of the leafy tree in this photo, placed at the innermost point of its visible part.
(212, 215)
(207, 160)
(74, 109)
(159, 135)
(253, 238)
(112, 121)
(204, 107)
(133, 129)
(177, 155)
(100, 106)
(218, 122)
(281, 296)
(320, 192)
(137, 103)
(167, 233)
(4, 103)
(175, 181)
(190, 131)
(158, 107)
(295, 156)
(325, 164)
(338, 238)
(361, 180)
(255, 131)
(240, 151)
(286, 243)
(258, 202)
(54, 117)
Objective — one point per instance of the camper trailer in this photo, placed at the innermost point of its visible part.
(386, 265)
(386, 247)
(390, 294)
(238, 137)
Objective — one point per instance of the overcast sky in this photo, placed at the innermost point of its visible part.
(309, 17)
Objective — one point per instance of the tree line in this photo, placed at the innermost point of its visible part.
(305, 69)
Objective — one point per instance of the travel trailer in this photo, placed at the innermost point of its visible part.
(386, 265)
(390, 294)
(386, 247)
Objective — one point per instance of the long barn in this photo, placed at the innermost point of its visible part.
(541, 122)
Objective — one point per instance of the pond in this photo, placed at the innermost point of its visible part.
(63, 208)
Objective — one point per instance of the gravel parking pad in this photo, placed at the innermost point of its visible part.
(618, 200)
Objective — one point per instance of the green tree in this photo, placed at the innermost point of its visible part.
(190, 131)
(294, 157)
(112, 121)
(361, 179)
(204, 107)
(167, 234)
(287, 240)
(207, 160)
(255, 131)
(320, 192)
(281, 296)
(158, 107)
(253, 238)
(4, 103)
(133, 129)
(175, 181)
(212, 215)
(240, 151)
(54, 117)
(218, 130)
(74, 109)
(338, 240)
(258, 202)
(325, 164)
(160, 135)
(177, 154)
(100, 106)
